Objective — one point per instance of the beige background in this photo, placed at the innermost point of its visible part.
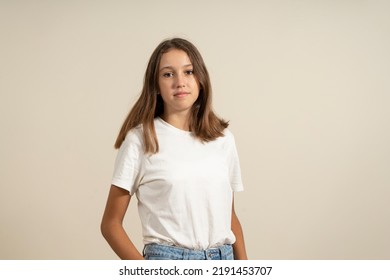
(304, 83)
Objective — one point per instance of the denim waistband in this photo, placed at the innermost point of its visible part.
(159, 251)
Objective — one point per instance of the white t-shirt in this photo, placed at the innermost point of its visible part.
(185, 190)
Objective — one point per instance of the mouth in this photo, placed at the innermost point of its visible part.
(181, 94)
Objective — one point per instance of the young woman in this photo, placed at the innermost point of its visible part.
(180, 160)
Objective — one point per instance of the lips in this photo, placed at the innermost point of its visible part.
(181, 94)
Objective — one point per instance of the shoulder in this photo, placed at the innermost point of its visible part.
(228, 135)
(134, 136)
(226, 140)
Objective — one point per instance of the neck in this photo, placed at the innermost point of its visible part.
(178, 120)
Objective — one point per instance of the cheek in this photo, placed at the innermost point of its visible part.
(195, 84)
(163, 86)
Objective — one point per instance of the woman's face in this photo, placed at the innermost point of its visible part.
(179, 88)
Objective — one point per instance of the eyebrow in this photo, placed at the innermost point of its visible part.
(170, 67)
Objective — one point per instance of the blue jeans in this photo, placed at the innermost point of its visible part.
(165, 252)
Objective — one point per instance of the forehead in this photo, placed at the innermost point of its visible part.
(174, 58)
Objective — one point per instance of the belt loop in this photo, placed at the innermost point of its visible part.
(225, 251)
(186, 254)
(222, 250)
(206, 254)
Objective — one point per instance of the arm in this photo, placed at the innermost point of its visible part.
(239, 246)
(111, 226)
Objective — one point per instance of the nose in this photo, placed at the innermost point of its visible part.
(180, 81)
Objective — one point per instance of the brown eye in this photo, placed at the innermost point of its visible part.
(168, 75)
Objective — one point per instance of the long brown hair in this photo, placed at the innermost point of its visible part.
(203, 123)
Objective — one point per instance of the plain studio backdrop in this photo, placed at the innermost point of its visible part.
(305, 85)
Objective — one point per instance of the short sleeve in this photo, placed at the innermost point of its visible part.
(233, 163)
(128, 164)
